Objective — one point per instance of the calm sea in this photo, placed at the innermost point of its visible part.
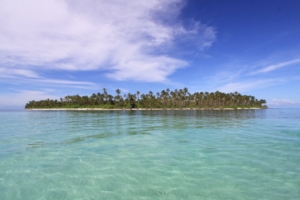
(242, 154)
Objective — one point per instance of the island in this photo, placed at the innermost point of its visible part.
(166, 99)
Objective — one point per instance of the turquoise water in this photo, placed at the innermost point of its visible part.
(243, 154)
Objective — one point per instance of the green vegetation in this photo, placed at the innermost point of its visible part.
(165, 99)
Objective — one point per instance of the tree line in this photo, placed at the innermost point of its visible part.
(181, 98)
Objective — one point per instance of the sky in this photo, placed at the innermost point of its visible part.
(54, 48)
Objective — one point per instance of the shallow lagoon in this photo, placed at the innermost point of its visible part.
(237, 154)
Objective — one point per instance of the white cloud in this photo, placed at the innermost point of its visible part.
(276, 66)
(224, 76)
(119, 36)
(22, 97)
(65, 82)
(141, 69)
(283, 103)
(24, 76)
(248, 85)
(10, 73)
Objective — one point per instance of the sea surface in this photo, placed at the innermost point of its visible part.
(232, 154)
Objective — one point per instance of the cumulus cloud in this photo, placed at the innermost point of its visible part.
(138, 69)
(119, 36)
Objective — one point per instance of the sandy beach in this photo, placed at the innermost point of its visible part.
(119, 109)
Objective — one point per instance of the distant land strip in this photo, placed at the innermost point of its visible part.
(180, 99)
(119, 109)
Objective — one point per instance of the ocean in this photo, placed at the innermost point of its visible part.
(196, 154)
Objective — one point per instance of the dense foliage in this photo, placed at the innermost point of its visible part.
(165, 99)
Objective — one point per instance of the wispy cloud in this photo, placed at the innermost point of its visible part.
(121, 37)
(20, 98)
(29, 77)
(10, 73)
(225, 76)
(243, 86)
(244, 75)
(283, 102)
(275, 66)
(64, 82)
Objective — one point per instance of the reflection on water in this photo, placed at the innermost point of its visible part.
(75, 140)
(36, 145)
(72, 141)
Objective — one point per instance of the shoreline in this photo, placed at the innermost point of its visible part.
(134, 109)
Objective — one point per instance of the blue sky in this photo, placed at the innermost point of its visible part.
(54, 48)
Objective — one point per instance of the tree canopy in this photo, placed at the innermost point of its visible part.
(181, 98)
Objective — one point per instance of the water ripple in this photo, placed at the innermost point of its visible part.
(239, 154)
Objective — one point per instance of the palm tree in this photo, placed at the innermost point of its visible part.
(138, 96)
(166, 98)
(105, 95)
